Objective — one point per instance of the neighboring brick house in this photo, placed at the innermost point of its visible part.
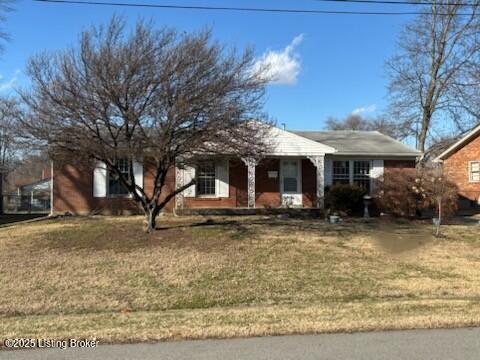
(295, 174)
(461, 162)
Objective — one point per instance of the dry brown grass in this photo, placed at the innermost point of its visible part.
(197, 277)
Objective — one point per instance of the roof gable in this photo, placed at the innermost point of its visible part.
(287, 143)
(459, 144)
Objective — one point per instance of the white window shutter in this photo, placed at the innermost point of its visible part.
(377, 169)
(328, 172)
(138, 173)
(189, 175)
(100, 180)
(376, 173)
(222, 180)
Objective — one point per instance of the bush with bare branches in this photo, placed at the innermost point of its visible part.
(396, 194)
(409, 193)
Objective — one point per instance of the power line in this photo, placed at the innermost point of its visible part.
(242, 9)
(389, 2)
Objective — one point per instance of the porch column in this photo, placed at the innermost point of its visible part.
(319, 162)
(251, 163)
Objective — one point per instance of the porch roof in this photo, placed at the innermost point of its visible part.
(372, 143)
(287, 143)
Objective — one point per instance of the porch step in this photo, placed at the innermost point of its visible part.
(293, 212)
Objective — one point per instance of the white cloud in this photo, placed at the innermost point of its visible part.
(283, 67)
(364, 109)
(10, 83)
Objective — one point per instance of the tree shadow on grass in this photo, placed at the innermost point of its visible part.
(211, 234)
(262, 225)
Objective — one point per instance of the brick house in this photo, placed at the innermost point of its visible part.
(294, 174)
(461, 162)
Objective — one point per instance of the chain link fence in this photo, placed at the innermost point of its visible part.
(26, 204)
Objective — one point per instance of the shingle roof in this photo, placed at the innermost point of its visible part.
(348, 142)
(464, 140)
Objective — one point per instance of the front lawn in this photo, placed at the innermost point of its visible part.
(235, 276)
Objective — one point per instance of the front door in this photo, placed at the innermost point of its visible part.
(291, 183)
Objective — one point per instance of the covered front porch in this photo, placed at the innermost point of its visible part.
(291, 176)
(273, 182)
(286, 182)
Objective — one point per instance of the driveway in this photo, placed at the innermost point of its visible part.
(415, 344)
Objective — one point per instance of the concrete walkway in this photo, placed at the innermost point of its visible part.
(452, 344)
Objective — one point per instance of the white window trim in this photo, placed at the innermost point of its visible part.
(351, 171)
(115, 196)
(299, 177)
(210, 196)
(470, 171)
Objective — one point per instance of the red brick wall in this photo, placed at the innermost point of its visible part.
(73, 192)
(457, 169)
(404, 165)
(267, 189)
(267, 192)
(407, 165)
(238, 181)
(235, 167)
(167, 189)
(73, 188)
(309, 183)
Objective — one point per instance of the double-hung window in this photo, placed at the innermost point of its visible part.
(474, 171)
(361, 174)
(206, 178)
(290, 176)
(341, 172)
(115, 187)
(352, 172)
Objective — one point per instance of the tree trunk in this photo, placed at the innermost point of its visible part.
(437, 233)
(1, 191)
(151, 219)
(422, 136)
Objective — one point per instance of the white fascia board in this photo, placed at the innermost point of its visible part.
(459, 143)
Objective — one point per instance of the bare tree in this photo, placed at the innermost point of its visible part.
(9, 146)
(28, 166)
(9, 115)
(439, 145)
(5, 7)
(432, 77)
(357, 122)
(148, 95)
(439, 194)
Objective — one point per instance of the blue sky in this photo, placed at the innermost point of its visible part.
(326, 65)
